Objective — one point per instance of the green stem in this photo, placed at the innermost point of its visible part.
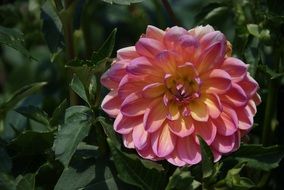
(87, 29)
(271, 104)
(67, 22)
(171, 12)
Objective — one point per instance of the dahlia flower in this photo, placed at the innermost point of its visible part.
(174, 85)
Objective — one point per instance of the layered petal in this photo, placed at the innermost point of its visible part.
(236, 96)
(111, 104)
(133, 105)
(188, 150)
(217, 81)
(206, 130)
(224, 144)
(235, 68)
(154, 116)
(199, 111)
(182, 127)
(155, 33)
(176, 85)
(140, 136)
(127, 53)
(124, 124)
(163, 141)
(148, 47)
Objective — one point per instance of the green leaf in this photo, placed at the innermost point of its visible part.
(21, 94)
(253, 29)
(78, 87)
(86, 151)
(219, 11)
(7, 182)
(58, 113)
(13, 39)
(71, 111)
(39, 142)
(234, 181)
(52, 27)
(123, 2)
(259, 157)
(270, 72)
(34, 113)
(131, 170)
(106, 49)
(256, 31)
(72, 132)
(6, 162)
(105, 178)
(109, 131)
(26, 182)
(77, 177)
(207, 159)
(182, 180)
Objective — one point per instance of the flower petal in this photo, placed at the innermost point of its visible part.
(182, 127)
(235, 67)
(214, 105)
(188, 150)
(113, 76)
(187, 70)
(257, 99)
(172, 36)
(225, 123)
(174, 159)
(141, 66)
(130, 84)
(211, 38)
(134, 105)
(163, 141)
(236, 96)
(206, 130)
(217, 155)
(153, 90)
(127, 140)
(127, 53)
(154, 116)
(249, 85)
(111, 104)
(200, 31)
(155, 33)
(149, 47)
(147, 153)
(166, 61)
(199, 111)
(245, 118)
(211, 57)
(140, 136)
(224, 144)
(124, 124)
(173, 111)
(217, 81)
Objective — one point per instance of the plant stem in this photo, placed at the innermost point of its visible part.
(171, 12)
(67, 22)
(271, 104)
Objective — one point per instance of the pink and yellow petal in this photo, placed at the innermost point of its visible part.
(163, 141)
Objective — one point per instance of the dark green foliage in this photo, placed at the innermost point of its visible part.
(122, 2)
(132, 170)
(14, 39)
(207, 159)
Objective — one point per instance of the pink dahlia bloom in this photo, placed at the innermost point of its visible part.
(174, 85)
